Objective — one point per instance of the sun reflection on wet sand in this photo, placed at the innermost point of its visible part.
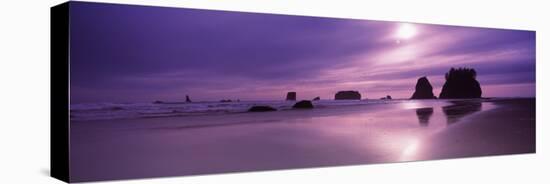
(258, 141)
(410, 150)
(411, 105)
(392, 134)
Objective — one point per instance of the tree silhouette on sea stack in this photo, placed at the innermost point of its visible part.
(461, 83)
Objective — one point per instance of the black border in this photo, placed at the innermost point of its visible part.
(59, 92)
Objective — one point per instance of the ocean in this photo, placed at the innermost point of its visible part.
(107, 111)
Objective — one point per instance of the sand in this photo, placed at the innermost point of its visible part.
(507, 129)
(408, 131)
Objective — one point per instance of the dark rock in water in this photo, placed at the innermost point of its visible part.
(291, 96)
(461, 83)
(423, 89)
(223, 100)
(304, 104)
(187, 99)
(158, 102)
(261, 108)
(316, 98)
(347, 95)
(386, 98)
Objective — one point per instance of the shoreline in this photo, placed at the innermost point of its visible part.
(509, 128)
(122, 111)
(385, 133)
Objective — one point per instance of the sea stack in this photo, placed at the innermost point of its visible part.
(461, 83)
(187, 99)
(304, 104)
(291, 96)
(388, 97)
(316, 98)
(347, 95)
(423, 89)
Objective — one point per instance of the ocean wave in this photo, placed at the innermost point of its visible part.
(107, 111)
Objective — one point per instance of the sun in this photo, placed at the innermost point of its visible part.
(405, 31)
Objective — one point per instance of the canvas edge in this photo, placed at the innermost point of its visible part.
(59, 92)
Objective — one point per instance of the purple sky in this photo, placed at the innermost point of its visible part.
(125, 53)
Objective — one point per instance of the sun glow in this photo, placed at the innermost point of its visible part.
(405, 31)
(410, 151)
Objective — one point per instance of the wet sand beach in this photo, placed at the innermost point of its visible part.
(507, 129)
(380, 133)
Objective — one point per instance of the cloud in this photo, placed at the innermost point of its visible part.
(159, 53)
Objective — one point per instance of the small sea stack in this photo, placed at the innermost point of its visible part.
(461, 83)
(316, 98)
(261, 108)
(388, 97)
(423, 89)
(187, 99)
(291, 96)
(347, 95)
(304, 104)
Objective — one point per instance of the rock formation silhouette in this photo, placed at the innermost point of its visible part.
(187, 99)
(423, 89)
(291, 96)
(261, 108)
(304, 104)
(388, 97)
(316, 98)
(461, 83)
(347, 95)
